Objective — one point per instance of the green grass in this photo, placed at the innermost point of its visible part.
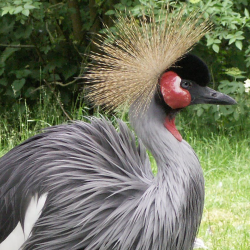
(226, 218)
(225, 160)
(22, 122)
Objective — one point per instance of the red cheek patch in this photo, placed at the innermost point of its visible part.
(174, 96)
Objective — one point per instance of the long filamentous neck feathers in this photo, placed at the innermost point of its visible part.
(130, 63)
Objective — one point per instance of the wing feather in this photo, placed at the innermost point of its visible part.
(94, 177)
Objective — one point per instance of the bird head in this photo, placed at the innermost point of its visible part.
(186, 82)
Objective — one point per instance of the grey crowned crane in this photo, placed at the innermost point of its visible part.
(98, 188)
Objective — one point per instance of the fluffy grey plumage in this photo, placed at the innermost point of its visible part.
(101, 190)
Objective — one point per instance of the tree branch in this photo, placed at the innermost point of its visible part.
(76, 19)
(59, 102)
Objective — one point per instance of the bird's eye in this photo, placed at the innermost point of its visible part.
(186, 84)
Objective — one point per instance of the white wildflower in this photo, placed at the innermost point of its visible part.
(199, 244)
(247, 85)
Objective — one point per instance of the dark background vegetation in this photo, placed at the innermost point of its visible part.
(44, 43)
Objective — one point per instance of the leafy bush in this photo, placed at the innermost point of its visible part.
(41, 46)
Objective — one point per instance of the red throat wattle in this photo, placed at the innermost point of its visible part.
(170, 126)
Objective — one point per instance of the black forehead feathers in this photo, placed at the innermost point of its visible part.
(192, 68)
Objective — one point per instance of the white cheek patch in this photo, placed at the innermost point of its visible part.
(174, 86)
(17, 237)
(177, 86)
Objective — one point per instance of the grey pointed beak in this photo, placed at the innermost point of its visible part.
(210, 96)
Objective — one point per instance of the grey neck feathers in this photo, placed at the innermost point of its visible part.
(179, 180)
(168, 152)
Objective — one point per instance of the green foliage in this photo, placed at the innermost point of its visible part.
(43, 45)
(38, 48)
(20, 8)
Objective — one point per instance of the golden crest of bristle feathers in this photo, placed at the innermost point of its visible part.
(131, 62)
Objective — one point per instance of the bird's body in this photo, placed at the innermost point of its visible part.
(101, 190)
(99, 186)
